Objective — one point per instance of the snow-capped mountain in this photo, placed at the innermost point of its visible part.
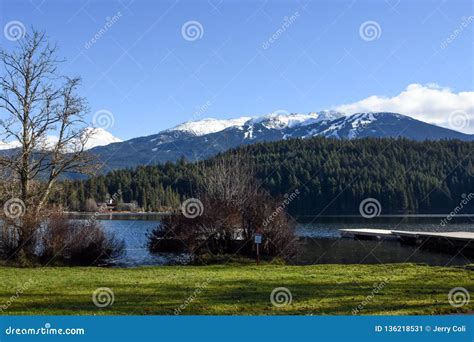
(207, 126)
(99, 137)
(200, 139)
(9, 145)
(277, 120)
(283, 121)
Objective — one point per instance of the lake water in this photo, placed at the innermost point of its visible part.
(321, 242)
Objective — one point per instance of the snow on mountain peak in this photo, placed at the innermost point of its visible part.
(99, 137)
(280, 120)
(207, 126)
(8, 145)
(276, 120)
(357, 123)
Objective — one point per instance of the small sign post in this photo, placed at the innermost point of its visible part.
(258, 241)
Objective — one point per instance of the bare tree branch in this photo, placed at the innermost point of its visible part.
(35, 102)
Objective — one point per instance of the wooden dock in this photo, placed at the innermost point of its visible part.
(443, 241)
(466, 236)
(367, 234)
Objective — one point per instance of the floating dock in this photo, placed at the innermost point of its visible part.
(445, 241)
(367, 234)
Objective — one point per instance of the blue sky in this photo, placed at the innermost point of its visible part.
(150, 77)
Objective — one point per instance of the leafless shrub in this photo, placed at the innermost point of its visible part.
(9, 237)
(234, 209)
(77, 243)
(18, 237)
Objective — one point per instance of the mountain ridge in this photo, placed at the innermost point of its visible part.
(200, 139)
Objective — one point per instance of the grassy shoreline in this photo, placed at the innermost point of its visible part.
(394, 289)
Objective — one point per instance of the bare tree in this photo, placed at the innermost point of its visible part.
(232, 208)
(36, 102)
(229, 179)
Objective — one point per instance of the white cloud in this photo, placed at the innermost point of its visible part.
(98, 137)
(430, 103)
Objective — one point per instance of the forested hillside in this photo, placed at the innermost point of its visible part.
(332, 176)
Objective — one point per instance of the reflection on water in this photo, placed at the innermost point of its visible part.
(328, 227)
(320, 243)
(351, 251)
(135, 234)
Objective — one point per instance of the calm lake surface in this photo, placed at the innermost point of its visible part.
(321, 242)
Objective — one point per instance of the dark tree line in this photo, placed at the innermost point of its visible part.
(332, 176)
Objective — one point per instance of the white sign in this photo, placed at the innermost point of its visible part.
(258, 238)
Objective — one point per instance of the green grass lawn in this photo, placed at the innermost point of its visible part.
(234, 290)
